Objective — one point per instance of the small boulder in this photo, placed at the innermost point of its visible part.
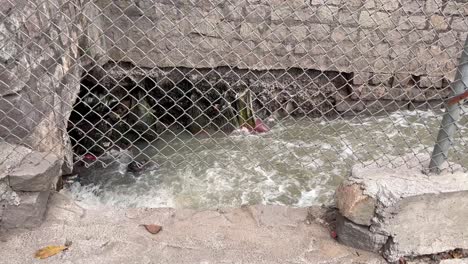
(354, 204)
(37, 172)
(358, 236)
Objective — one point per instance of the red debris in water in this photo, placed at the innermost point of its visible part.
(333, 234)
(260, 127)
(89, 157)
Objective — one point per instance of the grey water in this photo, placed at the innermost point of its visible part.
(297, 163)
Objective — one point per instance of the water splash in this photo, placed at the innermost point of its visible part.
(297, 163)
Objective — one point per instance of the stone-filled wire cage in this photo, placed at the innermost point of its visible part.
(238, 101)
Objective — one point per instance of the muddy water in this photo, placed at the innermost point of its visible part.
(297, 163)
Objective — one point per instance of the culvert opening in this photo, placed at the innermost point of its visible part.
(174, 137)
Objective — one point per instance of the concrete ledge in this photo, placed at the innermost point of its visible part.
(251, 234)
(416, 213)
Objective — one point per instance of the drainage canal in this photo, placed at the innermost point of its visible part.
(201, 139)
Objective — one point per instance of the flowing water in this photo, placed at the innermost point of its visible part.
(298, 163)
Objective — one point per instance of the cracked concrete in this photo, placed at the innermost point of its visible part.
(417, 214)
(253, 234)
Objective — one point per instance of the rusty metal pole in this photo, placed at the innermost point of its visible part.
(452, 114)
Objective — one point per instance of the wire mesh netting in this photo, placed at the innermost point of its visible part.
(217, 103)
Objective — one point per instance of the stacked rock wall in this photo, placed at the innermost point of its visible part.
(40, 74)
(401, 51)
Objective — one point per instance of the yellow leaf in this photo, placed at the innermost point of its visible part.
(49, 251)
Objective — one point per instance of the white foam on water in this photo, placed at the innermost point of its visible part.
(93, 197)
(307, 198)
(297, 164)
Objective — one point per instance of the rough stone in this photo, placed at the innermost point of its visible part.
(361, 78)
(28, 213)
(322, 2)
(421, 214)
(433, 6)
(355, 205)
(301, 48)
(389, 5)
(396, 38)
(7, 197)
(282, 13)
(352, 4)
(350, 107)
(320, 32)
(422, 35)
(278, 33)
(448, 39)
(11, 156)
(367, 92)
(439, 22)
(409, 23)
(292, 3)
(460, 24)
(369, 4)
(454, 261)
(299, 32)
(358, 236)
(369, 19)
(431, 81)
(326, 14)
(37, 172)
(455, 8)
(381, 78)
(412, 6)
(347, 18)
(257, 13)
(344, 34)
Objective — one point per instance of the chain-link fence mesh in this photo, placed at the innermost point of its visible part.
(252, 101)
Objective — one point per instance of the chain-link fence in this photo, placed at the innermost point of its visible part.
(247, 100)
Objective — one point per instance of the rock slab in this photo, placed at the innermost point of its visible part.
(38, 172)
(415, 214)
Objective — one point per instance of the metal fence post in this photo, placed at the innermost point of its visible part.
(452, 114)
